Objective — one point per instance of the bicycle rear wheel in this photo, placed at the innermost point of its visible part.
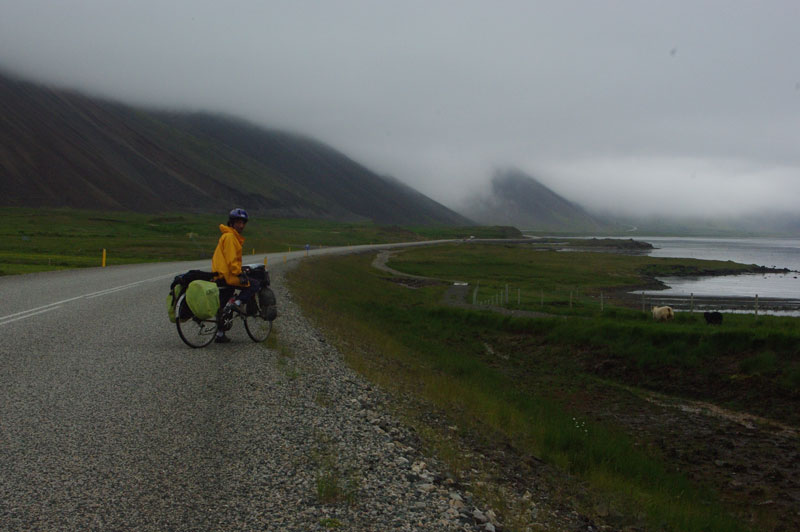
(193, 331)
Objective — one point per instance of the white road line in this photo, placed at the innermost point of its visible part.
(2, 318)
(4, 321)
(125, 286)
(58, 304)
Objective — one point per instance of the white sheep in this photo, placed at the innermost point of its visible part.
(663, 313)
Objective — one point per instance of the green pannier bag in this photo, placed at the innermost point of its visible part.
(172, 298)
(178, 286)
(203, 299)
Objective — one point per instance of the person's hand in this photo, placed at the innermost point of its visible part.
(243, 278)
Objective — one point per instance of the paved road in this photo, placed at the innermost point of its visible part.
(108, 421)
(98, 399)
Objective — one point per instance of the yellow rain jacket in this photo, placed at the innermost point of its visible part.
(227, 259)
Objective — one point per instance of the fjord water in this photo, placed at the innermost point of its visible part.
(769, 252)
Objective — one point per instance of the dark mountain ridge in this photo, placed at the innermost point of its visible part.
(59, 148)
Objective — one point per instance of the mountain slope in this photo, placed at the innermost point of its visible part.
(61, 148)
(520, 200)
(315, 168)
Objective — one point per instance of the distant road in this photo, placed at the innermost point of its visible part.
(60, 294)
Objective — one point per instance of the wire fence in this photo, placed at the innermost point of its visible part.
(507, 296)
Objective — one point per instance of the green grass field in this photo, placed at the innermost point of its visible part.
(49, 239)
(570, 284)
(514, 380)
(545, 280)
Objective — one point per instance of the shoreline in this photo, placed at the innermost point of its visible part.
(632, 296)
(722, 303)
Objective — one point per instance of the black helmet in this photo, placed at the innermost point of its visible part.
(237, 214)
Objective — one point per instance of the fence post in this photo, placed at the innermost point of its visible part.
(642, 300)
(756, 305)
(691, 304)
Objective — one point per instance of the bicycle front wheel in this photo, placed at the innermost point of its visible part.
(193, 331)
(257, 327)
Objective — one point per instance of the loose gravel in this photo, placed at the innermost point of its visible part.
(341, 431)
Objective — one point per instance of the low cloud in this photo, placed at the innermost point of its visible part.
(642, 107)
(702, 187)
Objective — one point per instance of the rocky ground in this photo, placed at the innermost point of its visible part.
(752, 462)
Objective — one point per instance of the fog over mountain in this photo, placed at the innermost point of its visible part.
(640, 108)
(520, 200)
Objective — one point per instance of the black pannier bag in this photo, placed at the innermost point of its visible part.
(267, 302)
(266, 297)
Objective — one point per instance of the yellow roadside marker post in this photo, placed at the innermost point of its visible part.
(104, 257)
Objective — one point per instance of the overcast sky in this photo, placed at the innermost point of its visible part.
(687, 107)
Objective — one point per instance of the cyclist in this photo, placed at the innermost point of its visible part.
(227, 264)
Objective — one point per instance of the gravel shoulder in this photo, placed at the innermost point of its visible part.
(339, 424)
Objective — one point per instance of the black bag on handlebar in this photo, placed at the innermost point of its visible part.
(258, 273)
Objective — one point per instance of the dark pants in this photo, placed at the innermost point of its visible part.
(246, 294)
